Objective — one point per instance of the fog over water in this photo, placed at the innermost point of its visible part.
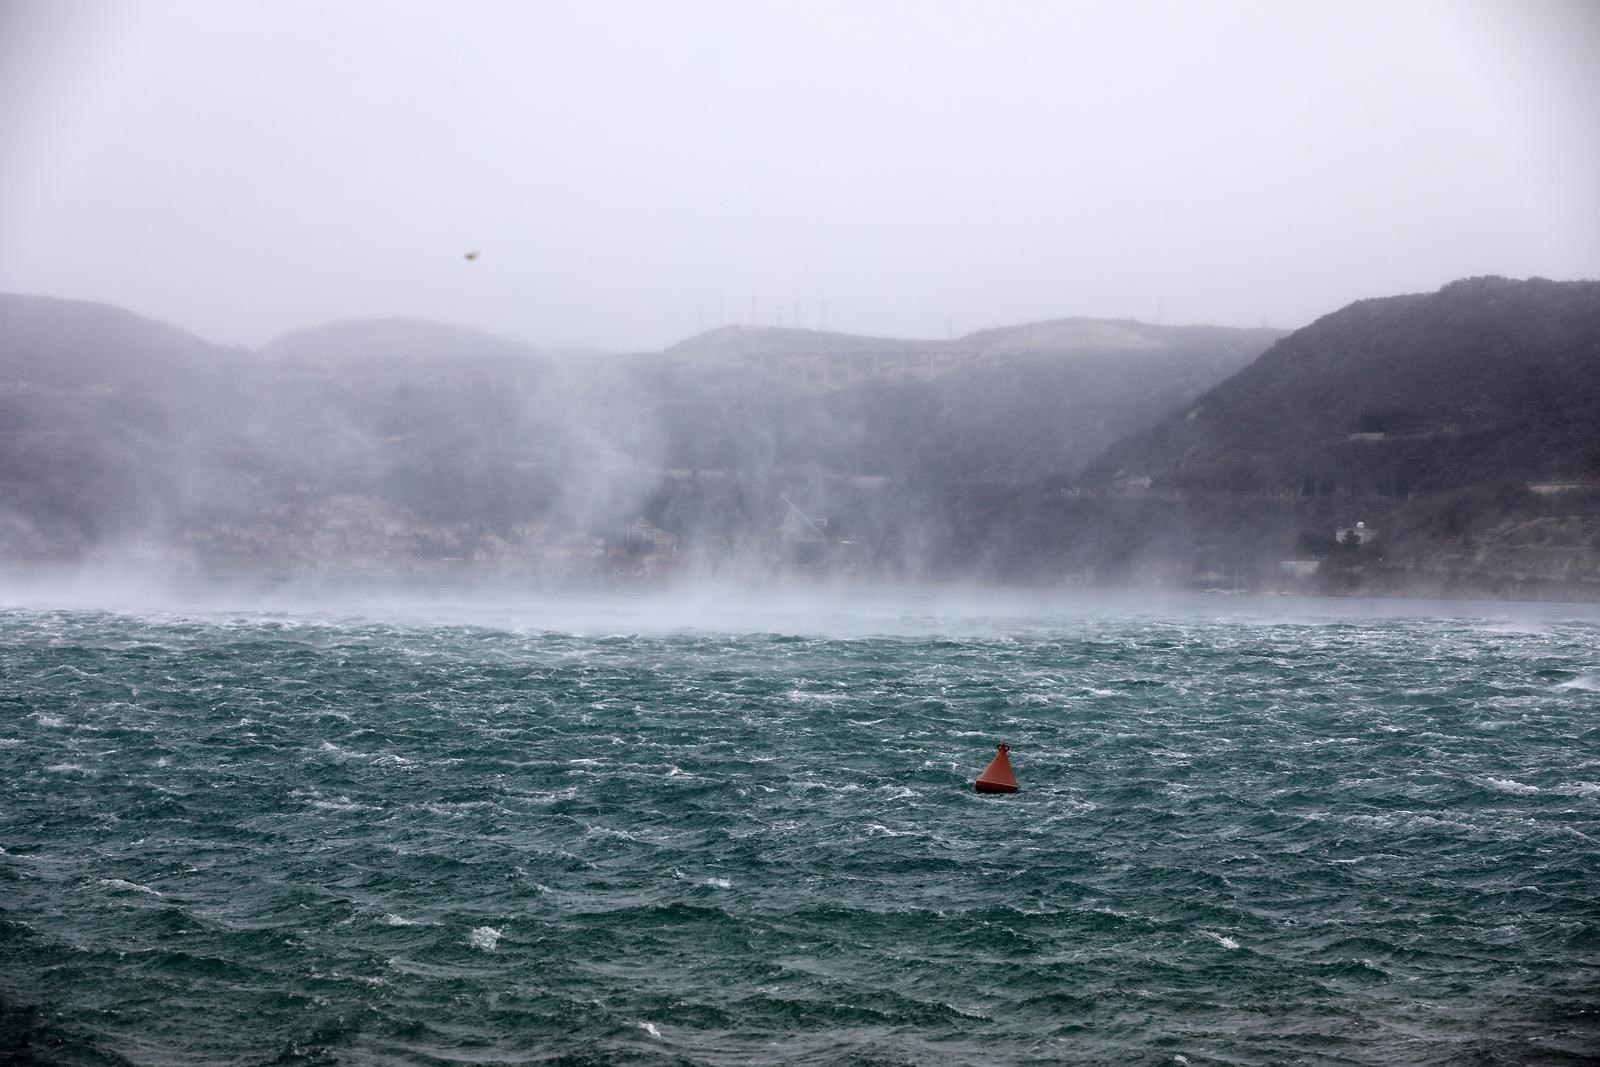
(630, 173)
(840, 609)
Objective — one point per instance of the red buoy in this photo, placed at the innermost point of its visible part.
(997, 777)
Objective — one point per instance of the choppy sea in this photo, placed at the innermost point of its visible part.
(738, 827)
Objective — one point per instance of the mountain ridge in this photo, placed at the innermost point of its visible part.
(1485, 378)
(1459, 424)
(75, 343)
(395, 337)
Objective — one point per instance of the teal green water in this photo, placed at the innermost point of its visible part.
(658, 832)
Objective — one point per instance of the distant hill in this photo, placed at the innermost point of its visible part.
(1038, 415)
(745, 342)
(393, 341)
(107, 423)
(114, 426)
(1458, 425)
(1486, 380)
(1065, 337)
(74, 344)
(814, 361)
(1054, 335)
(1015, 414)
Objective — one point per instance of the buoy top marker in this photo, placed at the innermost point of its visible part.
(997, 777)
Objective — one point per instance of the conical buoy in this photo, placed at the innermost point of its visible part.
(997, 777)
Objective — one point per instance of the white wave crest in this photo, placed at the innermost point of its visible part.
(1587, 682)
(342, 754)
(339, 803)
(485, 938)
(132, 887)
(1506, 785)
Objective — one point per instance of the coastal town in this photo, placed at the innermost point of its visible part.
(365, 535)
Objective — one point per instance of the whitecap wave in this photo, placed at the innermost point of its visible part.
(339, 804)
(341, 754)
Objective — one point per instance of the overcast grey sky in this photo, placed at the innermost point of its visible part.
(629, 170)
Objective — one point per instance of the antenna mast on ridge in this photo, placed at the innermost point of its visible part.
(806, 518)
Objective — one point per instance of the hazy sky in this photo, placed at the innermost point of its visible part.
(629, 171)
